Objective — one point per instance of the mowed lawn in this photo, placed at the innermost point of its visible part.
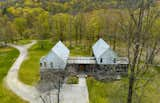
(7, 58)
(116, 91)
(23, 42)
(107, 92)
(29, 71)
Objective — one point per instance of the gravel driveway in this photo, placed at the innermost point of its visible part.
(24, 91)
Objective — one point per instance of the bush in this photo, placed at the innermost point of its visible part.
(72, 80)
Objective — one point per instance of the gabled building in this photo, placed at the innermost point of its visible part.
(103, 53)
(56, 58)
(104, 65)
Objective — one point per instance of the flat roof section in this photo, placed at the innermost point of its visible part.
(81, 60)
(92, 60)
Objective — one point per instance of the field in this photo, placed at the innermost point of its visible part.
(7, 58)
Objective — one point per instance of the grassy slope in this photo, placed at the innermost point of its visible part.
(7, 57)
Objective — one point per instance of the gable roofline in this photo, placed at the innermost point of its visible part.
(61, 51)
(100, 44)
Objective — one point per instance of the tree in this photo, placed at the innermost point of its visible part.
(142, 17)
(8, 32)
(20, 25)
(79, 26)
(42, 27)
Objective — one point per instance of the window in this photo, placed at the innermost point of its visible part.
(40, 64)
(114, 60)
(51, 64)
(45, 64)
(101, 60)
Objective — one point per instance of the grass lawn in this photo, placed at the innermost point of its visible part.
(29, 71)
(23, 42)
(80, 49)
(7, 58)
(116, 91)
(108, 92)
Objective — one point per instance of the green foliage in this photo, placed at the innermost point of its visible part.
(7, 58)
(72, 80)
(20, 24)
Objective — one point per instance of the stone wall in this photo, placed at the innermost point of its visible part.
(110, 72)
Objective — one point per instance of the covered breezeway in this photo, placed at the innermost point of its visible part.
(83, 64)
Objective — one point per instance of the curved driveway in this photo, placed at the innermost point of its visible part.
(24, 91)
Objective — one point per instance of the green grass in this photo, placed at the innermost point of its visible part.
(72, 80)
(29, 71)
(116, 91)
(80, 49)
(7, 58)
(23, 42)
(106, 92)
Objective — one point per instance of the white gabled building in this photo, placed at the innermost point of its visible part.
(57, 57)
(103, 53)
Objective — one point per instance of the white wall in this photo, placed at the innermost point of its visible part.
(107, 57)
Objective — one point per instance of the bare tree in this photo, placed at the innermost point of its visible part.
(142, 16)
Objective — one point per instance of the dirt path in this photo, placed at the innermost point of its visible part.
(24, 91)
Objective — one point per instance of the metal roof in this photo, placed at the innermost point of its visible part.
(102, 50)
(61, 50)
(100, 47)
(58, 56)
(122, 60)
(81, 60)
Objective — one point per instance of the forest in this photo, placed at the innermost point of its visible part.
(131, 27)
